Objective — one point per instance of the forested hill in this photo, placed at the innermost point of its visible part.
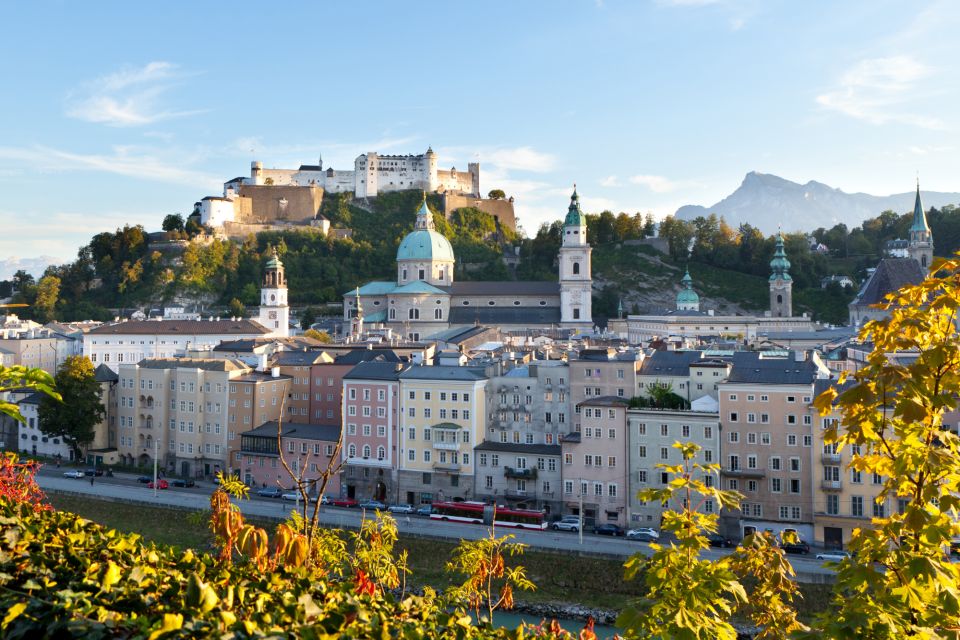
(123, 270)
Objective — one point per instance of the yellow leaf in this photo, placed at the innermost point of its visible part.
(12, 614)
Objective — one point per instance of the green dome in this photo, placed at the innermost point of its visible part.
(780, 265)
(425, 242)
(575, 217)
(688, 296)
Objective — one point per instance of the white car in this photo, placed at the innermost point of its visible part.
(292, 496)
(76, 473)
(833, 556)
(567, 523)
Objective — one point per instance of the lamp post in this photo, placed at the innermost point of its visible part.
(156, 457)
(580, 528)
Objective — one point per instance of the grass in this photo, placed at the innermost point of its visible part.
(560, 577)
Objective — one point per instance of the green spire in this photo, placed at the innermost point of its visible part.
(687, 281)
(779, 265)
(274, 261)
(575, 217)
(919, 217)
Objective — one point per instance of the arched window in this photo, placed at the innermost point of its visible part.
(923, 261)
(438, 314)
(576, 268)
(393, 313)
(404, 275)
(366, 451)
(779, 299)
(381, 453)
(352, 451)
(414, 314)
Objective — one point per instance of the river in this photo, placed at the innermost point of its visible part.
(512, 620)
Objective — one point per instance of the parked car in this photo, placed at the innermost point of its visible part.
(183, 482)
(400, 508)
(717, 540)
(270, 492)
(292, 496)
(833, 555)
(343, 502)
(161, 484)
(609, 530)
(76, 473)
(643, 535)
(373, 505)
(93, 472)
(567, 523)
(424, 510)
(145, 479)
(795, 547)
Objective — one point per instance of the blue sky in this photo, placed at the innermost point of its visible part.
(122, 112)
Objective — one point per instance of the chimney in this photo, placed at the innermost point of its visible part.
(275, 372)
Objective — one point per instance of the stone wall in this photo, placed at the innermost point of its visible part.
(502, 210)
(271, 204)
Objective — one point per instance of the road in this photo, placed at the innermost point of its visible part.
(124, 487)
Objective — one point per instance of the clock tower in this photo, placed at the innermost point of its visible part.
(575, 279)
(274, 312)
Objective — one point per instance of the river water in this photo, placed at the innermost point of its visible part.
(512, 620)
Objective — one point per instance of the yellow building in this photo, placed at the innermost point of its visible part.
(443, 415)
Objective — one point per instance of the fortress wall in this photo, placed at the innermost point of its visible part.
(302, 203)
(502, 210)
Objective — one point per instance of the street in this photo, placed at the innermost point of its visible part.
(124, 487)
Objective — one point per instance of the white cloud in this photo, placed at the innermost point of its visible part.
(922, 150)
(880, 90)
(610, 181)
(129, 97)
(660, 184)
(120, 162)
(519, 158)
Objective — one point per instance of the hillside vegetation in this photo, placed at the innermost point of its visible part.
(122, 270)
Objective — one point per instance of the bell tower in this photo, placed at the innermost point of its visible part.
(274, 312)
(920, 246)
(576, 302)
(781, 284)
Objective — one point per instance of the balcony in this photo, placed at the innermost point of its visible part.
(447, 446)
(833, 458)
(523, 474)
(831, 485)
(519, 495)
(446, 466)
(740, 472)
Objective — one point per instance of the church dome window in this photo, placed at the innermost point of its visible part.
(466, 303)
(272, 297)
(491, 303)
(543, 303)
(439, 302)
(516, 303)
(376, 303)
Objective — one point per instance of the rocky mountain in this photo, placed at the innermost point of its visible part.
(33, 266)
(766, 201)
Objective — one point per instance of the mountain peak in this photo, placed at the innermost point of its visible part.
(765, 200)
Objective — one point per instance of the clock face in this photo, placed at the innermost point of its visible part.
(273, 315)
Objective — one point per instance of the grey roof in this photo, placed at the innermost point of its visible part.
(33, 398)
(605, 401)
(669, 363)
(326, 432)
(467, 374)
(533, 449)
(827, 335)
(357, 356)
(376, 370)
(249, 344)
(477, 314)
(103, 373)
(504, 288)
(181, 327)
(891, 275)
(753, 367)
(192, 363)
(299, 358)
(260, 376)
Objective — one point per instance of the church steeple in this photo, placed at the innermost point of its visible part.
(920, 246)
(424, 217)
(781, 284)
(575, 278)
(274, 312)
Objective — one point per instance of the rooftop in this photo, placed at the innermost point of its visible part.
(325, 432)
(532, 449)
(181, 327)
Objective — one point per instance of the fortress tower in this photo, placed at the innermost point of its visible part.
(274, 312)
(576, 303)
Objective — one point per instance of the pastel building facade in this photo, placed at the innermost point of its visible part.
(307, 448)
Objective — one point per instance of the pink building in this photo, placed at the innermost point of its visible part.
(595, 462)
(371, 411)
(304, 446)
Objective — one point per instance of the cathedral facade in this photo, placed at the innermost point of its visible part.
(425, 298)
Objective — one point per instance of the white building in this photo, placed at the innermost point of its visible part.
(31, 439)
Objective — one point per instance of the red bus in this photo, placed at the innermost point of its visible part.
(482, 513)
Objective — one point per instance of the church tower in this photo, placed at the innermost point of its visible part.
(274, 312)
(920, 246)
(575, 279)
(781, 284)
(356, 322)
(687, 299)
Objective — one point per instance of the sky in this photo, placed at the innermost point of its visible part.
(120, 113)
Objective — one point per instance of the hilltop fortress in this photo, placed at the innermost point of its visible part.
(272, 198)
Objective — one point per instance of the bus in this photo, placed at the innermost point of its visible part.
(482, 513)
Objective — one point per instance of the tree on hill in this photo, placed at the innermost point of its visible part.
(75, 416)
(496, 194)
(172, 222)
(48, 293)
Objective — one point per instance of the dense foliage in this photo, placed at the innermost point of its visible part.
(75, 416)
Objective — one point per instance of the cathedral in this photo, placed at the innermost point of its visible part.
(894, 273)
(426, 299)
